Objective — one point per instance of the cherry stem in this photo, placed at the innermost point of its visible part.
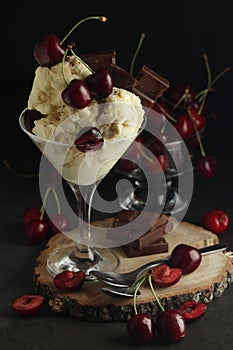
(142, 37)
(197, 133)
(203, 94)
(63, 60)
(136, 291)
(5, 162)
(99, 18)
(180, 100)
(154, 294)
(42, 209)
(57, 200)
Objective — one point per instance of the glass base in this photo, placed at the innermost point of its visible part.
(69, 258)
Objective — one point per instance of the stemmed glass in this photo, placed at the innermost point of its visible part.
(83, 177)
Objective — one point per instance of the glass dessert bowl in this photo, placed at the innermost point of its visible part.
(82, 171)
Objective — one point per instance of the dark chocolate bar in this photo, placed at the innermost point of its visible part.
(150, 237)
(150, 87)
(124, 217)
(97, 60)
(160, 246)
(121, 78)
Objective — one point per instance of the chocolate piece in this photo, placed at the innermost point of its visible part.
(160, 246)
(97, 60)
(158, 226)
(151, 86)
(124, 217)
(121, 78)
(150, 237)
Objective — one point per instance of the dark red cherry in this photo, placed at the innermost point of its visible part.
(165, 276)
(48, 50)
(157, 167)
(170, 325)
(30, 117)
(100, 83)
(28, 304)
(89, 139)
(141, 328)
(77, 94)
(216, 221)
(184, 126)
(30, 214)
(36, 231)
(198, 119)
(207, 166)
(192, 310)
(58, 223)
(69, 280)
(186, 257)
(155, 145)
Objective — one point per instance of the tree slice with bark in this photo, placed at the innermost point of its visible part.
(208, 282)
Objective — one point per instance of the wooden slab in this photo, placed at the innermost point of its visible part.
(208, 282)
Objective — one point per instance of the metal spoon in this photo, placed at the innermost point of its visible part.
(129, 279)
(121, 291)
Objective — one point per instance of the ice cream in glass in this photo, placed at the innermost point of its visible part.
(82, 124)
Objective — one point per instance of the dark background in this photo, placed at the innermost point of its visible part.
(177, 34)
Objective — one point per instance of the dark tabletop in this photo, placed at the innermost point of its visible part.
(50, 331)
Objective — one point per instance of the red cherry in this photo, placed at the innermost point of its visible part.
(48, 50)
(186, 257)
(216, 221)
(89, 139)
(184, 126)
(159, 166)
(77, 94)
(198, 119)
(191, 309)
(153, 144)
(100, 83)
(30, 117)
(127, 165)
(30, 214)
(58, 223)
(141, 328)
(207, 166)
(164, 276)
(170, 325)
(36, 231)
(69, 280)
(28, 304)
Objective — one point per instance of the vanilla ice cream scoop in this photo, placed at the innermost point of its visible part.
(118, 117)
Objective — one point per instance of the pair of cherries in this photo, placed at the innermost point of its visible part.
(189, 122)
(79, 93)
(170, 324)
